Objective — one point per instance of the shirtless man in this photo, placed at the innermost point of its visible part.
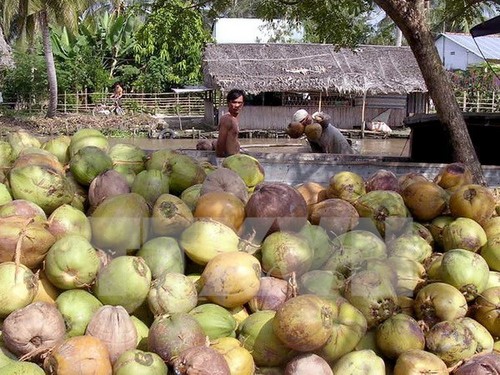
(227, 142)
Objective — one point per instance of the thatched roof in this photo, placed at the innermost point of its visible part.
(277, 67)
(6, 60)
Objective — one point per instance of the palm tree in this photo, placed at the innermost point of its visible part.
(22, 19)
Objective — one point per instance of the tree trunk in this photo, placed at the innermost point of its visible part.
(51, 67)
(409, 16)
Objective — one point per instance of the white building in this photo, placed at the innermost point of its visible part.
(459, 51)
(254, 30)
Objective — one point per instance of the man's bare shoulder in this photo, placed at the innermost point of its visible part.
(228, 120)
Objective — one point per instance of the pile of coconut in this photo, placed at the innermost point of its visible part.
(118, 261)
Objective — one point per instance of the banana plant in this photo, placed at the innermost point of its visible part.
(111, 35)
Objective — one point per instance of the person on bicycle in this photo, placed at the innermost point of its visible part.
(117, 96)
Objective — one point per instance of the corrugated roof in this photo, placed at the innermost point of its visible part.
(308, 67)
(489, 45)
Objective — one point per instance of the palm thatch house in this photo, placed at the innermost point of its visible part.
(353, 86)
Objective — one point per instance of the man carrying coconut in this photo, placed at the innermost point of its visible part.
(227, 141)
(326, 139)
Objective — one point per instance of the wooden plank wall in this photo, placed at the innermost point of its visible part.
(278, 118)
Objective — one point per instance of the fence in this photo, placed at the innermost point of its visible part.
(486, 102)
(172, 104)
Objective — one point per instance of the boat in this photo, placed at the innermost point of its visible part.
(296, 168)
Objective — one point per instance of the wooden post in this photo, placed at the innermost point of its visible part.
(76, 101)
(65, 102)
(319, 104)
(477, 102)
(464, 105)
(86, 100)
(493, 102)
(363, 116)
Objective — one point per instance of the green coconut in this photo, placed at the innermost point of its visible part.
(399, 334)
(410, 245)
(463, 233)
(120, 223)
(346, 185)
(21, 139)
(67, 220)
(6, 155)
(170, 215)
(124, 281)
(150, 184)
(247, 167)
(190, 196)
(452, 341)
(18, 287)
(373, 294)
(5, 196)
(257, 335)
(22, 368)
(87, 137)
(350, 250)
(348, 328)
(215, 320)
(42, 186)
(72, 262)
(58, 146)
(142, 332)
(127, 158)
(182, 170)
(37, 156)
(172, 293)
(359, 362)
(319, 242)
(137, 362)
(77, 307)
(386, 209)
(162, 254)
(88, 163)
(466, 271)
(491, 253)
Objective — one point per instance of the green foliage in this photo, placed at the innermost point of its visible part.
(27, 82)
(479, 79)
(174, 33)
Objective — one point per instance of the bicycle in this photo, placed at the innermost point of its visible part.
(108, 109)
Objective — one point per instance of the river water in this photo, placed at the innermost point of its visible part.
(366, 146)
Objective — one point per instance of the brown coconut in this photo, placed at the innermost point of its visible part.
(295, 129)
(472, 201)
(426, 200)
(107, 184)
(313, 131)
(484, 364)
(382, 180)
(201, 360)
(25, 240)
(409, 178)
(226, 180)
(336, 216)
(308, 363)
(275, 206)
(205, 145)
(312, 192)
(453, 175)
(42, 328)
(79, 355)
(114, 327)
